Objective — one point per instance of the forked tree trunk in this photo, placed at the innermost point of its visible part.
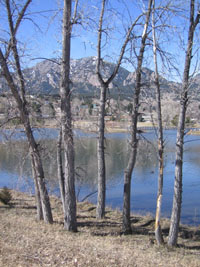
(70, 223)
(100, 212)
(158, 231)
(177, 199)
(134, 140)
(44, 197)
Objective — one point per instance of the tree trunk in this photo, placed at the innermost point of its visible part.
(134, 140)
(158, 231)
(44, 197)
(100, 212)
(177, 199)
(37, 193)
(61, 177)
(21, 103)
(70, 223)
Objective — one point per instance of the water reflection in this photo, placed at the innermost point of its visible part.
(15, 169)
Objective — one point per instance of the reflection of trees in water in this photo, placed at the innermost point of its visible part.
(147, 155)
(116, 158)
(14, 158)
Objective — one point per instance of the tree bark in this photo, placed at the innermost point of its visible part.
(134, 140)
(177, 199)
(70, 223)
(61, 177)
(37, 193)
(100, 212)
(158, 231)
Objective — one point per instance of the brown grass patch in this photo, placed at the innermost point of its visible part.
(26, 242)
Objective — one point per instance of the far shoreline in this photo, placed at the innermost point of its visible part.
(90, 126)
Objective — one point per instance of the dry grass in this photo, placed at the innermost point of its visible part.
(110, 126)
(26, 242)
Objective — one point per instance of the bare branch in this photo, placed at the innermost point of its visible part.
(20, 17)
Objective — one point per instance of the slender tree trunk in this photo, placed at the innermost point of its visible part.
(37, 193)
(44, 197)
(33, 146)
(100, 213)
(61, 177)
(134, 140)
(127, 179)
(70, 223)
(177, 199)
(158, 231)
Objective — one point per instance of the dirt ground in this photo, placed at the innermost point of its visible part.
(27, 242)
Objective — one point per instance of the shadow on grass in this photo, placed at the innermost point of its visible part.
(189, 247)
(110, 227)
(15, 205)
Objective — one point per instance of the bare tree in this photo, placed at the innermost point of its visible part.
(70, 223)
(17, 87)
(101, 122)
(134, 119)
(158, 231)
(177, 199)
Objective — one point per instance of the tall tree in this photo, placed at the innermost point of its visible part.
(70, 222)
(17, 87)
(104, 83)
(177, 199)
(134, 120)
(158, 231)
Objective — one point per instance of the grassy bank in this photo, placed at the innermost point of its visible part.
(26, 242)
(110, 126)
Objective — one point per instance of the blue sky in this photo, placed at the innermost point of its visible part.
(42, 35)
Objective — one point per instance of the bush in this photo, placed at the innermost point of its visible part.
(5, 195)
(175, 120)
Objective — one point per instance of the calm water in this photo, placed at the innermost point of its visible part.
(15, 169)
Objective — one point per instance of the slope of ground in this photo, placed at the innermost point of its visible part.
(26, 242)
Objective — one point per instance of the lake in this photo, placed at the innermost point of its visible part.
(15, 170)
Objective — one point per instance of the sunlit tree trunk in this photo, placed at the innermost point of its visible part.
(158, 231)
(134, 119)
(177, 199)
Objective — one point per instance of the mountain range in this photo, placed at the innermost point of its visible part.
(44, 77)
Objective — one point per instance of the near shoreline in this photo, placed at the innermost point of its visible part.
(26, 242)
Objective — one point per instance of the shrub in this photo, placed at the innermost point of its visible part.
(5, 195)
(175, 120)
